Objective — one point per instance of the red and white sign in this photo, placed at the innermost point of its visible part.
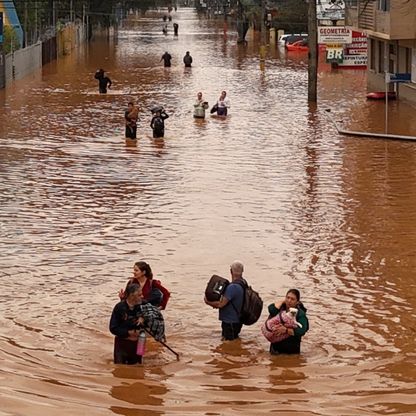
(355, 53)
(334, 34)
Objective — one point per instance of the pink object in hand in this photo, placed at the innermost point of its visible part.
(141, 344)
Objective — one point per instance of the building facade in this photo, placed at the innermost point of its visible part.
(391, 29)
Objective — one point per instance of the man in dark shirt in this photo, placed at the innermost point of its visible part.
(166, 58)
(129, 317)
(187, 60)
(158, 123)
(124, 325)
(103, 81)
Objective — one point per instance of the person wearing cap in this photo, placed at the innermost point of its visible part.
(103, 81)
(187, 60)
(231, 303)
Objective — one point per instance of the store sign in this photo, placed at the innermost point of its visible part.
(330, 10)
(355, 53)
(334, 34)
(334, 53)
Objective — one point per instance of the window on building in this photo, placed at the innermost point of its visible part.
(408, 61)
(383, 5)
(351, 3)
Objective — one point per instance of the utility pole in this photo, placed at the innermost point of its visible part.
(262, 33)
(2, 64)
(25, 26)
(263, 25)
(36, 22)
(71, 11)
(313, 52)
(54, 14)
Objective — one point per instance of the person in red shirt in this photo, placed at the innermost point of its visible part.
(152, 289)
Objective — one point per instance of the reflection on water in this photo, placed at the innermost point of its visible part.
(272, 185)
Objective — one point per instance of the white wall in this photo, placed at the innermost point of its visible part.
(23, 62)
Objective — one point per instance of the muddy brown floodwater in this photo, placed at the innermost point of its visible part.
(274, 185)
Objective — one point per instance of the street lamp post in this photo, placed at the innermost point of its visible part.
(313, 52)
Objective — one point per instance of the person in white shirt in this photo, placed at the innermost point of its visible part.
(200, 106)
(223, 104)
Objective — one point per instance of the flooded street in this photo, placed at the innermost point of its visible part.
(274, 186)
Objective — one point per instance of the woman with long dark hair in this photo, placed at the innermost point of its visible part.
(290, 345)
(152, 289)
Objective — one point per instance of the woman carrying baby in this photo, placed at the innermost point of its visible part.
(290, 345)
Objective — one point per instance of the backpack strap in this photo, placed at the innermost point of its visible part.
(241, 282)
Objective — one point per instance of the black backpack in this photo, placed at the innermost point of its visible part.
(158, 124)
(252, 304)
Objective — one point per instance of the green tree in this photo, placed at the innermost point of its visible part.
(10, 40)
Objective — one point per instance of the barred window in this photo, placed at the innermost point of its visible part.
(384, 5)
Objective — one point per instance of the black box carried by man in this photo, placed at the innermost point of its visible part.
(216, 288)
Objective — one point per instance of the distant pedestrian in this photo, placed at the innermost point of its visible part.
(103, 81)
(175, 29)
(165, 18)
(187, 60)
(166, 58)
(165, 29)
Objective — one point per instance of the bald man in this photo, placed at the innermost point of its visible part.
(231, 303)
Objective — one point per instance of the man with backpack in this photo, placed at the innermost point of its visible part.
(158, 122)
(231, 303)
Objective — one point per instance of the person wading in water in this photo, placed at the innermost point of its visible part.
(103, 81)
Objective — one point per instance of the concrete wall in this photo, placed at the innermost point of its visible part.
(23, 62)
(28, 60)
(69, 37)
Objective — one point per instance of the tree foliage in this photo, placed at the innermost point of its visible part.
(10, 40)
